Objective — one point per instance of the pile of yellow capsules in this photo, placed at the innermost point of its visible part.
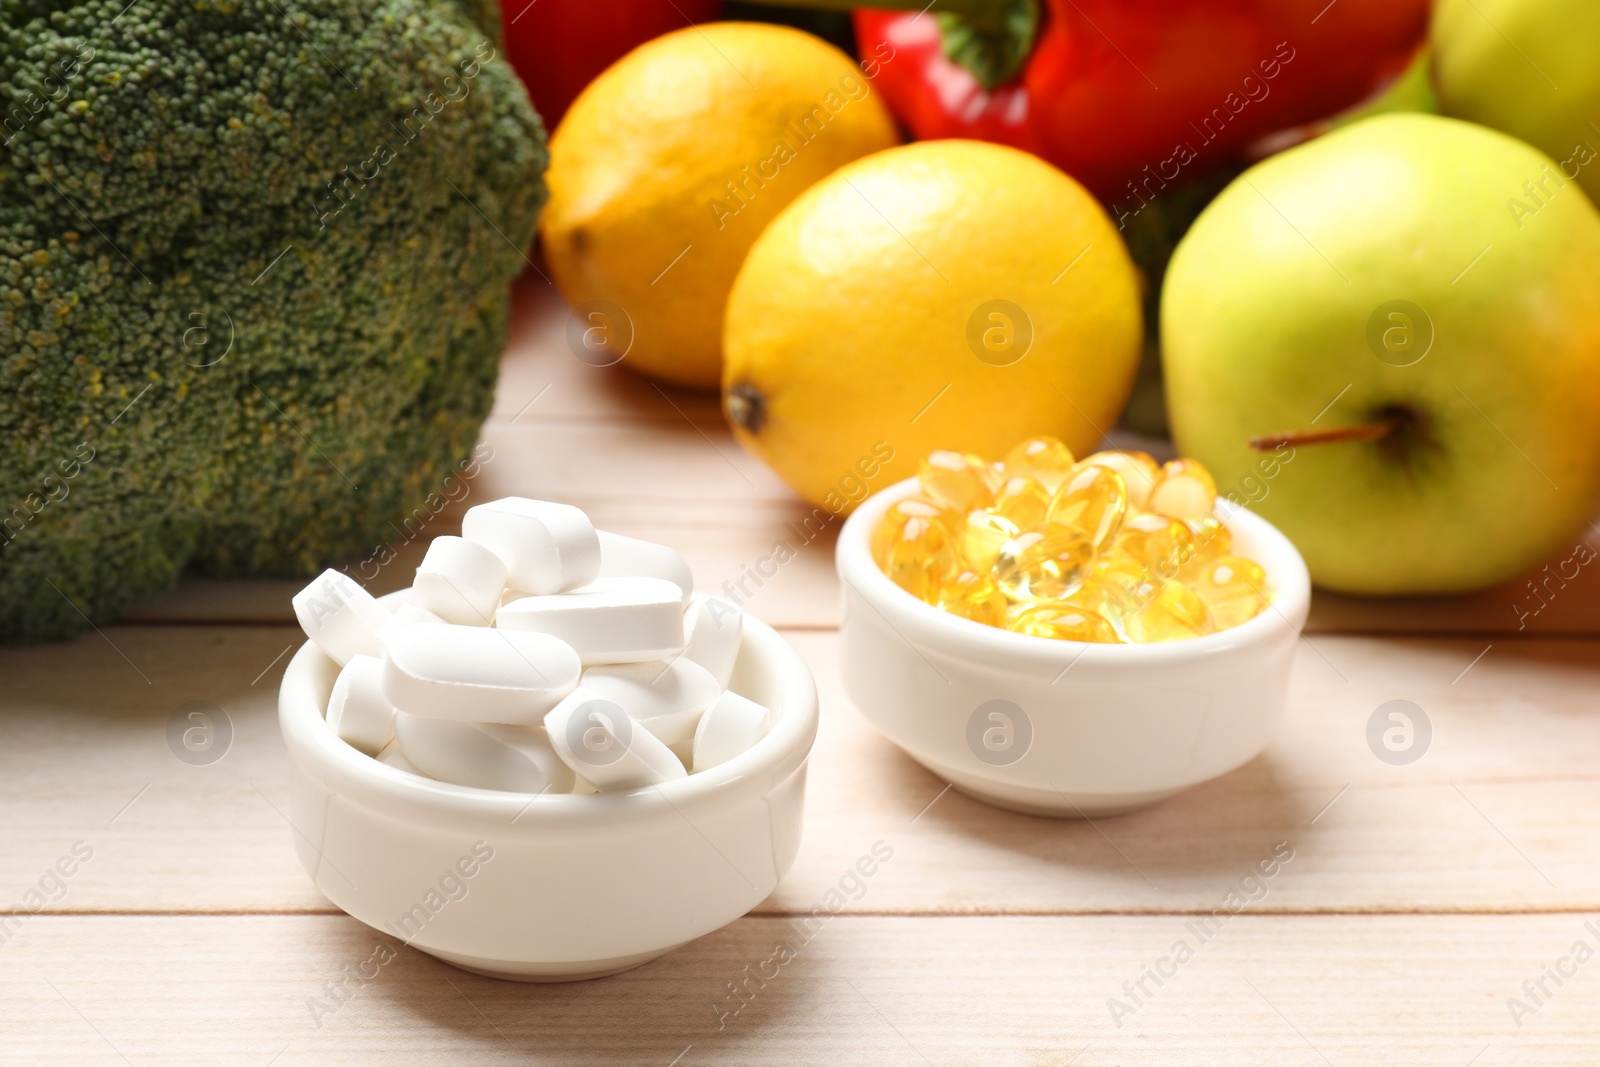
(1113, 548)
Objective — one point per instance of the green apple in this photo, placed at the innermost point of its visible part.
(1431, 356)
(1528, 67)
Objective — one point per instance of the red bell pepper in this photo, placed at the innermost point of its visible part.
(558, 46)
(1130, 96)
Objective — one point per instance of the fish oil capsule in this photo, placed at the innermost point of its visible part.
(983, 534)
(1172, 612)
(1234, 590)
(1064, 622)
(894, 520)
(1095, 500)
(1044, 459)
(1159, 544)
(957, 480)
(1212, 540)
(1106, 597)
(973, 595)
(1046, 563)
(1121, 571)
(1023, 500)
(919, 556)
(1183, 490)
(1139, 472)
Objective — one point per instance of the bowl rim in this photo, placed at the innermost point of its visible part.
(350, 773)
(966, 639)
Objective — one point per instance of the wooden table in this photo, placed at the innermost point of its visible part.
(1418, 900)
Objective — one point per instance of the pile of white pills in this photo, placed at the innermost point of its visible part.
(536, 654)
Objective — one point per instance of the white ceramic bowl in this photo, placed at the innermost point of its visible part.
(575, 886)
(1060, 727)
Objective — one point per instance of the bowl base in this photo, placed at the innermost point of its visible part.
(518, 971)
(1071, 806)
(1052, 803)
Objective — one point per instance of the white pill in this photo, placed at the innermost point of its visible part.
(733, 724)
(713, 628)
(516, 759)
(612, 620)
(460, 581)
(629, 557)
(478, 674)
(605, 747)
(392, 756)
(340, 617)
(665, 698)
(358, 712)
(403, 616)
(547, 548)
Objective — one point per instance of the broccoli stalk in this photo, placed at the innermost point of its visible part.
(254, 272)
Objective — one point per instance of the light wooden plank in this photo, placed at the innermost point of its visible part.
(1498, 815)
(1002, 992)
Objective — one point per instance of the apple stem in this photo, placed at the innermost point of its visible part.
(1369, 431)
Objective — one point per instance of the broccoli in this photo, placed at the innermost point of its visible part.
(255, 260)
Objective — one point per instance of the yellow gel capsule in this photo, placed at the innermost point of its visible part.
(1234, 590)
(895, 518)
(1064, 622)
(1212, 540)
(1045, 563)
(1022, 500)
(1095, 500)
(920, 557)
(1139, 472)
(1171, 612)
(973, 596)
(1106, 597)
(983, 534)
(1044, 459)
(957, 480)
(1183, 490)
(1121, 570)
(1159, 544)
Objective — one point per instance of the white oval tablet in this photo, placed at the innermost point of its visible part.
(713, 628)
(403, 616)
(340, 617)
(358, 712)
(478, 673)
(611, 620)
(629, 557)
(516, 759)
(665, 698)
(546, 547)
(604, 746)
(391, 756)
(460, 581)
(731, 725)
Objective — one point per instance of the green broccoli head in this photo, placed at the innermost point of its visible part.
(254, 271)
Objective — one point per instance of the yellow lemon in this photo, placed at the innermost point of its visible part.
(944, 295)
(669, 165)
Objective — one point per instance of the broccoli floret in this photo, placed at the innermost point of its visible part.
(255, 260)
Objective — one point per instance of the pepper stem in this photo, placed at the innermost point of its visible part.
(991, 39)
